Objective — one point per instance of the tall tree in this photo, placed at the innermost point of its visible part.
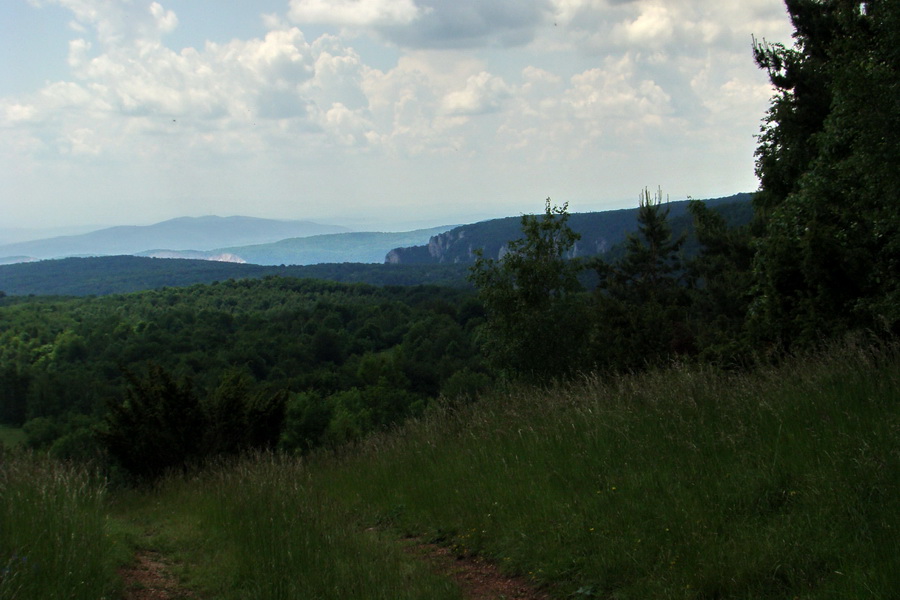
(828, 165)
(641, 298)
(534, 322)
(720, 280)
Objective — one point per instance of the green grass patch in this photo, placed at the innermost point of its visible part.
(54, 540)
(685, 483)
(11, 437)
(255, 529)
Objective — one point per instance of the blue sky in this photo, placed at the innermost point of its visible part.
(372, 113)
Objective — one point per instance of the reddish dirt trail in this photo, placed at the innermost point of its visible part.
(148, 578)
(477, 578)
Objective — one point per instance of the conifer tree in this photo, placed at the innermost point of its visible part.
(641, 299)
(157, 426)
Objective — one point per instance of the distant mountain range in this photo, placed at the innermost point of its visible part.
(440, 255)
(186, 233)
(355, 247)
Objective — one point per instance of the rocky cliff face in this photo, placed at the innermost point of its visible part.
(460, 243)
(453, 247)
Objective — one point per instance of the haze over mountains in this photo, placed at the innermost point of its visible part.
(186, 233)
(281, 242)
(226, 239)
(438, 255)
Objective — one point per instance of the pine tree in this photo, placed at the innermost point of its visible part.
(640, 312)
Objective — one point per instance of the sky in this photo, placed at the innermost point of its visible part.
(386, 114)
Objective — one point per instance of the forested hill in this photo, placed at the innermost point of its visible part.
(105, 275)
(600, 232)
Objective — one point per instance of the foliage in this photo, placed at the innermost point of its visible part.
(721, 281)
(651, 304)
(243, 345)
(156, 427)
(106, 275)
(640, 312)
(534, 324)
(600, 233)
(828, 201)
(162, 424)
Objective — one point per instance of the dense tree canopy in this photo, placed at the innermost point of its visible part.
(828, 161)
(243, 354)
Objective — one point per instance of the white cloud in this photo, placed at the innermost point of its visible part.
(652, 27)
(472, 24)
(515, 95)
(431, 23)
(18, 113)
(165, 20)
(685, 26)
(483, 93)
(354, 13)
(117, 22)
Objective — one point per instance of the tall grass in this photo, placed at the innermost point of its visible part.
(53, 538)
(684, 483)
(259, 531)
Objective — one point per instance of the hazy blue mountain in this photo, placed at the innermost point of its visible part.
(195, 233)
(600, 232)
(13, 235)
(356, 247)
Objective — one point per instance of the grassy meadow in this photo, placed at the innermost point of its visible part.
(10, 437)
(55, 540)
(680, 483)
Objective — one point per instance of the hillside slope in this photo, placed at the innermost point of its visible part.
(355, 247)
(600, 232)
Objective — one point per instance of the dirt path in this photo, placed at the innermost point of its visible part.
(477, 578)
(148, 578)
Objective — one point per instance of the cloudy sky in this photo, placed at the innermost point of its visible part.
(372, 112)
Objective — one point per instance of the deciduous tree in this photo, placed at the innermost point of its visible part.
(535, 324)
(828, 165)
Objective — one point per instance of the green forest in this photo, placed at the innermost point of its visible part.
(299, 362)
(723, 408)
